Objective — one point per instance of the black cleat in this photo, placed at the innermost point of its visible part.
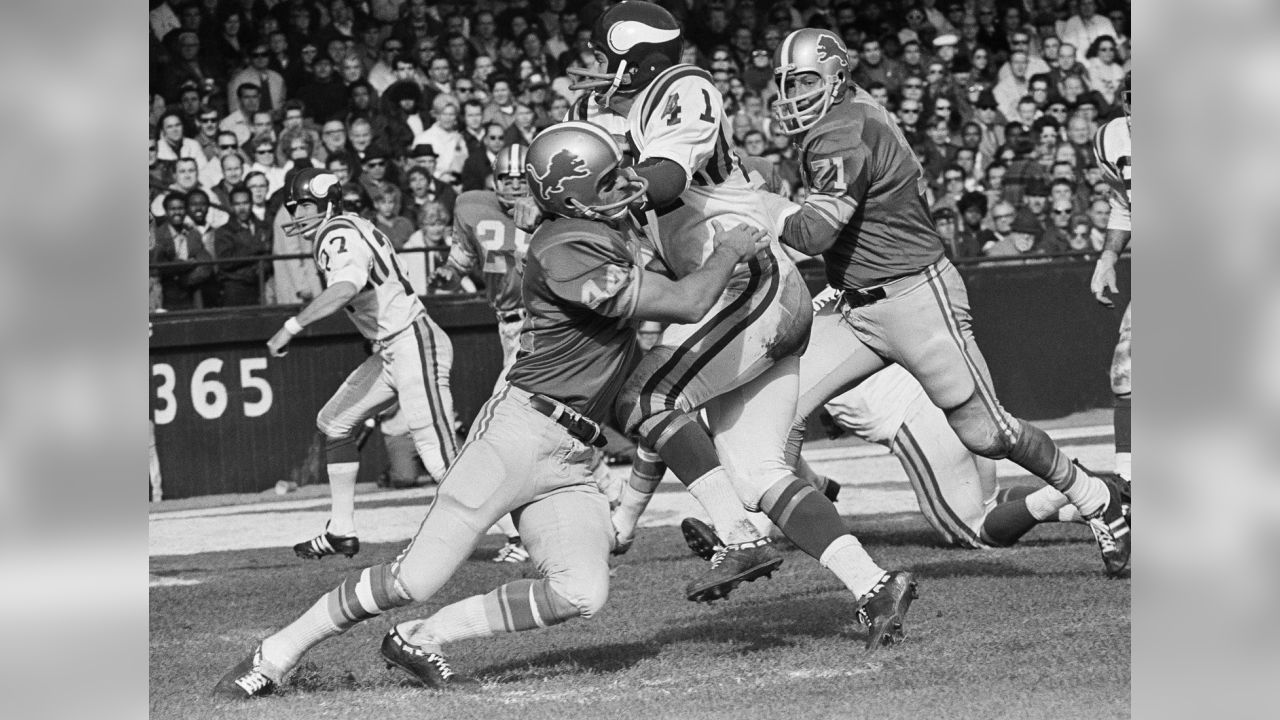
(246, 680)
(1111, 527)
(430, 669)
(731, 566)
(884, 608)
(700, 538)
(326, 544)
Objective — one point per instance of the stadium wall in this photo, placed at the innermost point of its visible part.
(230, 419)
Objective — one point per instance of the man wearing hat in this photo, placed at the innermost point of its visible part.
(1021, 239)
(987, 115)
(423, 157)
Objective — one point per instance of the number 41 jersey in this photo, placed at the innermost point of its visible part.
(485, 237)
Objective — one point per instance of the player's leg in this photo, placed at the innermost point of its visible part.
(1121, 385)
(473, 494)
(365, 392)
(421, 362)
(925, 325)
(647, 471)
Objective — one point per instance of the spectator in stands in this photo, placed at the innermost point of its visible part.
(458, 52)
(478, 168)
(373, 172)
(175, 242)
(983, 71)
(1105, 71)
(909, 120)
(1099, 214)
(484, 34)
(207, 134)
(261, 128)
(1081, 239)
(264, 161)
(186, 177)
(425, 188)
(1086, 26)
(388, 218)
(383, 72)
(249, 96)
(973, 211)
(951, 189)
(1066, 65)
(244, 236)
(232, 174)
(203, 218)
(445, 138)
(361, 105)
(1024, 231)
(324, 94)
(1035, 198)
(187, 65)
(874, 66)
(753, 144)
(333, 140)
(502, 105)
(1057, 236)
(936, 151)
(258, 185)
(987, 116)
(944, 219)
(296, 149)
(173, 144)
(359, 139)
(270, 83)
(1009, 91)
(1020, 41)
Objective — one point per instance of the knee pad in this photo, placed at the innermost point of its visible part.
(566, 600)
(643, 392)
(341, 449)
(987, 432)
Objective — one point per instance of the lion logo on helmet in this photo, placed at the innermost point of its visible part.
(828, 47)
(564, 166)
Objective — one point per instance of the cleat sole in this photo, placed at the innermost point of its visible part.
(721, 590)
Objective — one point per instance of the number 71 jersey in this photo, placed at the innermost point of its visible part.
(680, 117)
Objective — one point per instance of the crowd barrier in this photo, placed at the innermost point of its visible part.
(231, 419)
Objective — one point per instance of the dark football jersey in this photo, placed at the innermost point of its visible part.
(486, 238)
(867, 187)
(581, 286)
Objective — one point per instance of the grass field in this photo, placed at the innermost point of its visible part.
(1035, 631)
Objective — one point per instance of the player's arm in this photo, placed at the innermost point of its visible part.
(836, 180)
(463, 253)
(688, 299)
(681, 130)
(1119, 228)
(345, 260)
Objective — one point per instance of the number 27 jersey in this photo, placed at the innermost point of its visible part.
(485, 236)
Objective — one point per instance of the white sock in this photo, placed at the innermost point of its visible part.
(462, 620)
(1089, 494)
(282, 650)
(507, 527)
(763, 525)
(1046, 502)
(1124, 465)
(714, 491)
(848, 561)
(342, 491)
(1070, 513)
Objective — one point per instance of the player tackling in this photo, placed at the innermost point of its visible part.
(530, 448)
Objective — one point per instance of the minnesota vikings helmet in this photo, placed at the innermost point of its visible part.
(508, 174)
(312, 185)
(808, 50)
(633, 42)
(571, 166)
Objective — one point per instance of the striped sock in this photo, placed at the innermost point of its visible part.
(361, 596)
(646, 472)
(806, 517)
(514, 607)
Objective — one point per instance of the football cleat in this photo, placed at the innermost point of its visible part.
(1111, 529)
(246, 680)
(429, 668)
(731, 566)
(512, 552)
(884, 608)
(700, 538)
(326, 544)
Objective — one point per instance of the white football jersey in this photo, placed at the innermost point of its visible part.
(349, 248)
(680, 117)
(1113, 146)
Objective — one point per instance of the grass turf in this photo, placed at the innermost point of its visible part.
(1035, 631)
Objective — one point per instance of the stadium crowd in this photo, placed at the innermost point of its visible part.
(409, 102)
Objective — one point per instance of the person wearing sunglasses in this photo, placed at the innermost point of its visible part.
(259, 72)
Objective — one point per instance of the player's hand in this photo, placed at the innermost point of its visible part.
(744, 240)
(440, 278)
(1104, 279)
(526, 214)
(278, 345)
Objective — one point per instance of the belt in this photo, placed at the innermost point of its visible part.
(509, 317)
(858, 298)
(580, 427)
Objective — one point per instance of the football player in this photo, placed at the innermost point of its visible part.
(486, 239)
(740, 363)
(1114, 149)
(411, 356)
(901, 300)
(530, 448)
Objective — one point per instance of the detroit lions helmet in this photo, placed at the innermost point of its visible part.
(809, 50)
(508, 174)
(633, 42)
(312, 185)
(571, 167)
